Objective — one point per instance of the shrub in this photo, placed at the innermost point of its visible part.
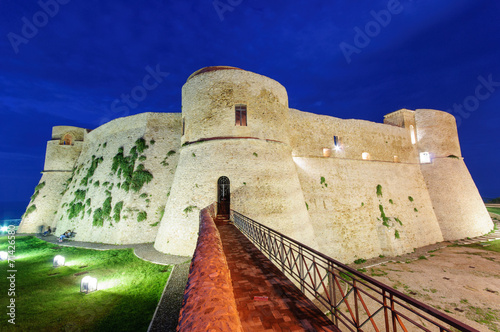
(171, 152)
(96, 184)
(396, 234)
(29, 210)
(410, 198)
(141, 216)
(75, 209)
(140, 144)
(360, 261)
(152, 142)
(98, 219)
(143, 195)
(391, 201)
(37, 191)
(379, 190)
(139, 178)
(90, 172)
(117, 210)
(106, 208)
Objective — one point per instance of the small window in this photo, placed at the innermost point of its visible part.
(412, 135)
(66, 140)
(337, 144)
(183, 126)
(241, 115)
(365, 156)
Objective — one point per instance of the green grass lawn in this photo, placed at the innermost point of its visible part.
(493, 210)
(48, 299)
(493, 246)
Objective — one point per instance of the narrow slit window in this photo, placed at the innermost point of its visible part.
(241, 115)
(183, 126)
(337, 144)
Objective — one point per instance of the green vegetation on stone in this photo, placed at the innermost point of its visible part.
(189, 209)
(55, 303)
(91, 170)
(360, 261)
(37, 191)
(29, 210)
(493, 210)
(117, 210)
(410, 198)
(98, 218)
(141, 216)
(379, 190)
(396, 234)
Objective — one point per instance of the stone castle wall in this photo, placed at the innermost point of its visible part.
(349, 188)
(114, 211)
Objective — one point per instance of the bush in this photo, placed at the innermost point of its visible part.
(117, 211)
(141, 216)
(98, 219)
(29, 210)
(37, 191)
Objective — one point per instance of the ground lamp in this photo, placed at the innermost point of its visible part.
(58, 261)
(3, 255)
(4, 229)
(88, 285)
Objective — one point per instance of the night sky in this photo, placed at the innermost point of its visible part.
(348, 59)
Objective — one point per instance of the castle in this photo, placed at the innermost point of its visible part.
(348, 188)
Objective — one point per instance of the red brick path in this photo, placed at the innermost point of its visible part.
(253, 275)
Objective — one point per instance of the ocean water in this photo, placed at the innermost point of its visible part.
(11, 212)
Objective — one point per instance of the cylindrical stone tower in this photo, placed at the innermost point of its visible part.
(235, 125)
(457, 204)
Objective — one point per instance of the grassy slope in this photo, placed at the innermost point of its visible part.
(493, 246)
(48, 299)
(493, 210)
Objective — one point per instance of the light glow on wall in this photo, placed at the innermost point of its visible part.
(425, 158)
(365, 156)
(412, 134)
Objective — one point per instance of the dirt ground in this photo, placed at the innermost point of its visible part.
(460, 281)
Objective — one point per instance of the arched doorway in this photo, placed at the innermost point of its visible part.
(223, 197)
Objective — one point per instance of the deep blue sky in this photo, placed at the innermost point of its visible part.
(428, 54)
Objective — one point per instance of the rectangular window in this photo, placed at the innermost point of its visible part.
(241, 115)
(337, 143)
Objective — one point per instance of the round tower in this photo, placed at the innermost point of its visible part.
(231, 102)
(457, 203)
(235, 132)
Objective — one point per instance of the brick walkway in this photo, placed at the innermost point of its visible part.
(253, 275)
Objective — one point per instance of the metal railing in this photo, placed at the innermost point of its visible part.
(352, 300)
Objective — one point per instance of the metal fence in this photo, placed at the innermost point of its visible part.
(351, 299)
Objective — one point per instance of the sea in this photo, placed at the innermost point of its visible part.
(11, 212)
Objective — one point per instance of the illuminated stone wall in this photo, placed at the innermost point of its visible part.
(349, 188)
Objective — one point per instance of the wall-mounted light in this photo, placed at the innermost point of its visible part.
(3, 255)
(327, 152)
(88, 285)
(365, 156)
(58, 261)
(425, 158)
(4, 229)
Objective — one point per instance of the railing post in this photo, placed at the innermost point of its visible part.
(333, 293)
(282, 249)
(355, 289)
(394, 325)
(386, 312)
(301, 270)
